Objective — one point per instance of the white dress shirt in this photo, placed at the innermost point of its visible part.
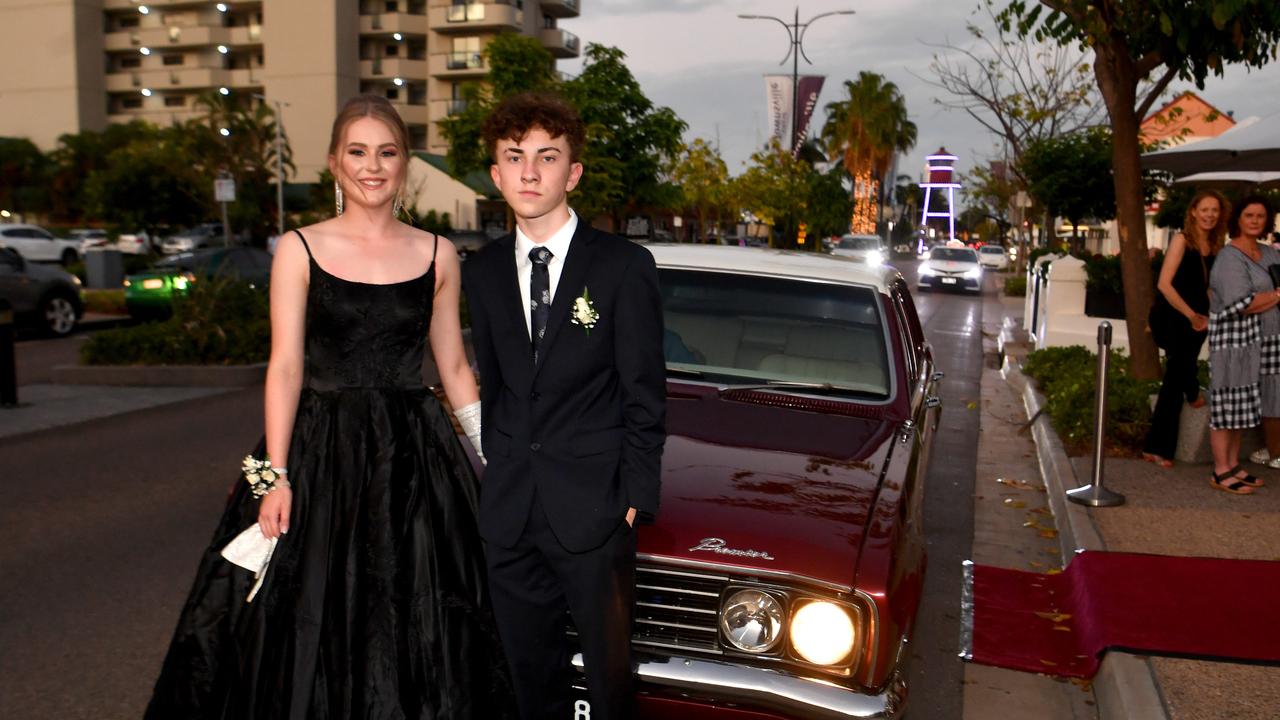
(558, 244)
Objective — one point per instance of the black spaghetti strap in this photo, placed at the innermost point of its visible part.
(304, 244)
(435, 248)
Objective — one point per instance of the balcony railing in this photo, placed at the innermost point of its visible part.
(465, 60)
(457, 107)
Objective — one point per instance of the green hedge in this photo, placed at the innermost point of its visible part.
(1015, 286)
(1067, 378)
(109, 302)
(218, 322)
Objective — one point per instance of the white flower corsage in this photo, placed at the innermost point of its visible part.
(262, 476)
(584, 312)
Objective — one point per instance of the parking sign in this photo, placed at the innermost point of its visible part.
(224, 189)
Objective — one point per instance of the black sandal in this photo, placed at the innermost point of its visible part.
(1235, 488)
(1248, 479)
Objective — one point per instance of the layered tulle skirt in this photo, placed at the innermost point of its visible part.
(374, 604)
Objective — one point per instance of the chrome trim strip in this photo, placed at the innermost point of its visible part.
(677, 573)
(677, 648)
(682, 626)
(776, 691)
(966, 612)
(742, 570)
(682, 591)
(677, 608)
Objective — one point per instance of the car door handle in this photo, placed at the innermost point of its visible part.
(931, 402)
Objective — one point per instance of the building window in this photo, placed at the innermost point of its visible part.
(173, 59)
(393, 6)
(548, 21)
(393, 50)
(393, 93)
(175, 101)
(127, 21)
(129, 61)
(417, 137)
(466, 54)
(131, 103)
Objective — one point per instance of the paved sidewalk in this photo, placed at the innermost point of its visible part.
(1176, 512)
(47, 406)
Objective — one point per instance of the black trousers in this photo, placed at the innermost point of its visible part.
(533, 585)
(1180, 385)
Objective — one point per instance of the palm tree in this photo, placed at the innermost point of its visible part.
(864, 131)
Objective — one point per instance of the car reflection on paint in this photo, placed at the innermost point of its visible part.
(784, 572)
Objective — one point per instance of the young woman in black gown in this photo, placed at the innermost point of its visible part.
(1179, 318)
(374, 604)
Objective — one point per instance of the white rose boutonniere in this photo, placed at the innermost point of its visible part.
(584, 312)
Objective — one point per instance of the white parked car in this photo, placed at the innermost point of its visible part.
(35, 243)
(200, 236)
(951, 267)
(864, 248)
(993, 257)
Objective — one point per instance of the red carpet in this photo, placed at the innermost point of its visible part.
(1148, 604)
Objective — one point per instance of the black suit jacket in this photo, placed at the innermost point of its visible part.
(585, 427)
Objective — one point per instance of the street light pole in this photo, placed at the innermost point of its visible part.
(795, 35)
(279, 161)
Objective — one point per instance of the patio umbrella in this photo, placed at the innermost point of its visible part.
(1251, 147)
(1231, 179)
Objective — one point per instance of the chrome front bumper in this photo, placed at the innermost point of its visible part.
(764, 688)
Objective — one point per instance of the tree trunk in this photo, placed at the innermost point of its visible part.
(1118, 82)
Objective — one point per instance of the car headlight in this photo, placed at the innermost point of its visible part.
(926, 269)
(75, 280)
(182, 281)
(875, 257)
(973, 273)
(752, 621)
(822, 633)
(127, 282)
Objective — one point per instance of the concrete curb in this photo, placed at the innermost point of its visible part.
(161, 375)
(1125, 687)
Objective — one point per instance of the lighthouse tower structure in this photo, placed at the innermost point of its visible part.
(940, 168)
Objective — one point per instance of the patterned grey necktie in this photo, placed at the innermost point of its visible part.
(539, 297)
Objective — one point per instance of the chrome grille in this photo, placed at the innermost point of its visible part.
(677, 609)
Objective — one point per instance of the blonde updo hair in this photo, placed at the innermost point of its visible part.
(378, 108)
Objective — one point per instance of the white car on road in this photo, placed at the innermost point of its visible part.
(35, 243)
(951, 268)
(864, 248)
(993, 257)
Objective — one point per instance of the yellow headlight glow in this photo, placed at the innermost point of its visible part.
(822, 633)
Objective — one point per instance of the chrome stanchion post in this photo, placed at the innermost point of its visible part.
(8, 361)
(1094, 494)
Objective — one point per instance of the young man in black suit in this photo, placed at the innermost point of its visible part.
(566, 322)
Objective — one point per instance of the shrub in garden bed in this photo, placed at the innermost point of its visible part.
(1066, 376)
(1015, 286)
(217, 322)
(109, 302)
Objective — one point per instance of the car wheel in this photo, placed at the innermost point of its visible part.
(59, 314)
(69, 257)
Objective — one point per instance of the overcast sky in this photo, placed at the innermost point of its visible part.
(698, 58)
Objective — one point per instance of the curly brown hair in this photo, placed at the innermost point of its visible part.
(515, 116)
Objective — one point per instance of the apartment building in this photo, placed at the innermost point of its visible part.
(71, 65)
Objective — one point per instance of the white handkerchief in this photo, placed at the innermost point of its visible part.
(251, 550)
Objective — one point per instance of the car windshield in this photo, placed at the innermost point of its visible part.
(850, 242)
(735, 329)
(992, 250)
(954, 254)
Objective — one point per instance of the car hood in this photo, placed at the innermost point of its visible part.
(45, 272)
(951, 265)
(769, 488)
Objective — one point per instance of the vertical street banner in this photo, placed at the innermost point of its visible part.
(809, 88)
(777, 96)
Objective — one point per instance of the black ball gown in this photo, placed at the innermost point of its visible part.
(374, 605)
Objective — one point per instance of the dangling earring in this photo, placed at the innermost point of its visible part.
(337, 197)
(398, 207)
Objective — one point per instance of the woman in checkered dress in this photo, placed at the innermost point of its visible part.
(1244, 344)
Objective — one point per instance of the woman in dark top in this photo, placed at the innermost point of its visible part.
(1180, 318)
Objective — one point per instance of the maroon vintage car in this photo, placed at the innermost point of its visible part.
(784, 572)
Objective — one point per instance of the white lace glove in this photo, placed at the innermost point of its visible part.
(469, 419)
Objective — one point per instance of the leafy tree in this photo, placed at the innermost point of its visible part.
(829, 203)
(79, 155)
(1071, 176)
(23, 176)
(641, 137)
(517, 63)
(775, 188)
(1134, 41)
(149, 186)
(701, 174)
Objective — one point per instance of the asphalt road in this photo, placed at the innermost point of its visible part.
(953, 325)
(101, 525)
